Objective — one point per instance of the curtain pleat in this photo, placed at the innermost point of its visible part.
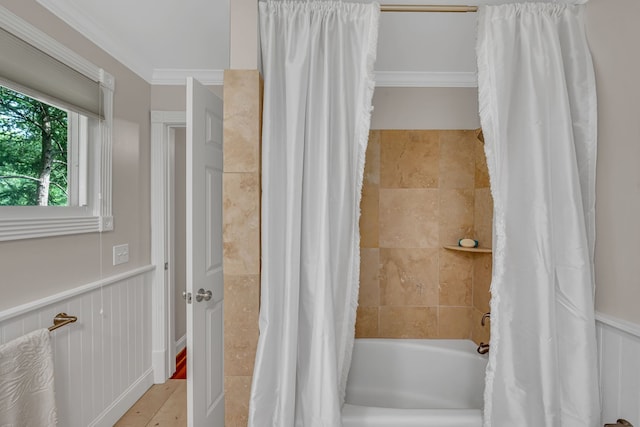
(317, 61)
(538, 114)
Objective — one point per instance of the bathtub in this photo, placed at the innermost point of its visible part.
(414, 383)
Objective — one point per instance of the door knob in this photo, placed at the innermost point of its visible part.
(203, 295)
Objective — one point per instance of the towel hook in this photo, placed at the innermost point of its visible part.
(60, 320)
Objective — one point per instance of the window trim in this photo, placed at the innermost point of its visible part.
(17, 222)
(77, 163)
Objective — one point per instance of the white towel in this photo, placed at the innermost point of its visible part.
(26, 382)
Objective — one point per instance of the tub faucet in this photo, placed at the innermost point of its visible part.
(619, 423)
(483, 348)
(484, 318)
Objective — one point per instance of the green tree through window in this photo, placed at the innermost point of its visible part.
(33, 152)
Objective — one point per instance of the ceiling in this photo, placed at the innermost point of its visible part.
(154, 38)
(163, 41)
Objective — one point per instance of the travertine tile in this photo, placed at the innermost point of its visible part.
(482, 270)
(456, 278)
(457, 159)
(456, 215)
(369, 216)
(372, 159)
(409, 159)
(454, 322)
(367, 322)
(241, 223)
(405, 220)
(369, 295)
(409, 277)
(174, 412)
(240, 257)
(242, 95)
(483, 220)
(479, 333)
(409, 218)
(370, 196)
(241, 310)
(482, 173)
(408, 322)
(241, 235)
(237, 392)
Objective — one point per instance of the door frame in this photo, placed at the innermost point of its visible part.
(163, 125)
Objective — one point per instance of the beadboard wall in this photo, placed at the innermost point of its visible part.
(102, 362)
(619, 359)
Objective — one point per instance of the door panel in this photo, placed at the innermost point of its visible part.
(205, 376)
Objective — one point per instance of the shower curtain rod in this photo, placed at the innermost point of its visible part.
(426, 8)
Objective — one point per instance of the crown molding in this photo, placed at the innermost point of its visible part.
(178, 76)
(426, 79)
(90, 29)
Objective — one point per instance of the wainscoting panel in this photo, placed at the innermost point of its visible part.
(102, 362)
(619, 357)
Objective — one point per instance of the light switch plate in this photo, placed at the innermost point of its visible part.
(120, 254)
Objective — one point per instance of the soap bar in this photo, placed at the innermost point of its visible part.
(468, 243)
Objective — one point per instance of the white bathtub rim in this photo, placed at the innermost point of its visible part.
(349, 410)
(461, 345)
(367, 416)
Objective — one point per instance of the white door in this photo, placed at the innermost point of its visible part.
(205, 397)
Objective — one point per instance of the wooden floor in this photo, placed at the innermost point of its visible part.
(163, 405)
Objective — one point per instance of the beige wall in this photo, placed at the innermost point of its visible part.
(174, 98)
(243, 35)
(614, 33)
(180, 237)
(168, 98)
(425, 108)
(423, 189)
(36, 268)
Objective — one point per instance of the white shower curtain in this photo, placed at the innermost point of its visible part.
(538, 113)
(317, 61)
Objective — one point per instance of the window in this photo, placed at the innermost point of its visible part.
(55, 137)
(35, 166)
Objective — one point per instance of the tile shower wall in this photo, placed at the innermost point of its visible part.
(423, 190)
(241, 237)
(483, 218)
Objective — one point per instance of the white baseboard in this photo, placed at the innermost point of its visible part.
(158, 361)
(121, 405)
(181, 343)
